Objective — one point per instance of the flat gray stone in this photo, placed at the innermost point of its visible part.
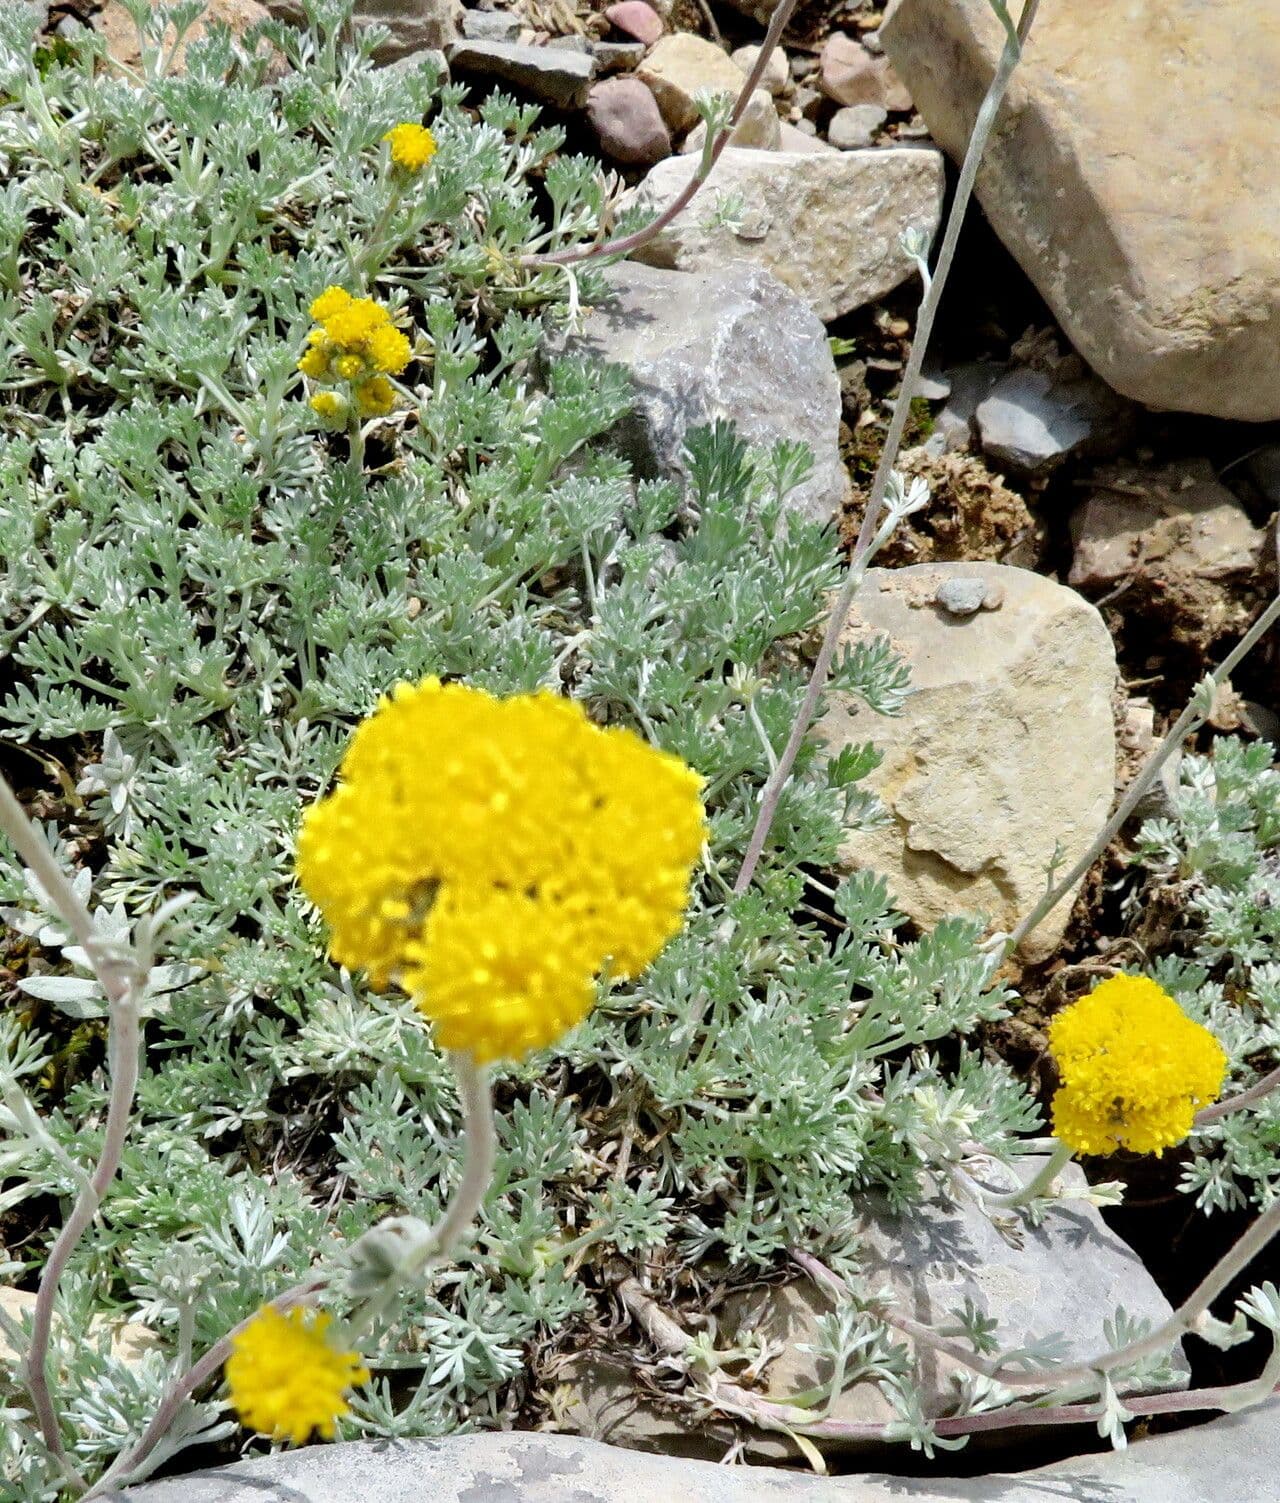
(1235, 1459)
(1033, 422)
(491, 25)
(552, 75)
(732, 343)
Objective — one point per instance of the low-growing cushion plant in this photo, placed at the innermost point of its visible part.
(202, 595)
(273, 445)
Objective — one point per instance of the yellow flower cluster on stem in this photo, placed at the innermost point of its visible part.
(356, 344)
(494, 856)
(285, 1377)
(1135, 1069)
(412, 146)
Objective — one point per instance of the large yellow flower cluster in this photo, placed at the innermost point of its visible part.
(1135, 1069)
(495, 855)
(358, 344)
(286, 1379)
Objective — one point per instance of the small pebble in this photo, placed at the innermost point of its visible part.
(634, 18)
(961, 596)
(776, 76)
(855, 125)
(617, 57)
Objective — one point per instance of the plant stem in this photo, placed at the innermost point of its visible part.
(476, 1096)
(625, 245)
(1039, 1182)
(777, 781)
(1256, 1092)
(1190, 720)
(119, 978)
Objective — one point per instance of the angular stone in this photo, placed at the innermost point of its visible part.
(733, 343)
(1158, 250)
(851, 75)
(1032, 421)
(1234, 1459)
(491, 25)
(552, 75)
(828, 224)
(855, 125)
(625, 116)
(415, 25)
(1067, 1276)
(759, 127)
(636, 19)
(777, 71)
(617, 57)
(1179, 521)
(980, 774)
(792, 138)
(679, 68)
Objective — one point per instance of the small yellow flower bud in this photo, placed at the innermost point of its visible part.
(412, 146)
(330, 408)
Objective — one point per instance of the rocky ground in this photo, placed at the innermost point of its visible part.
(1101, 405)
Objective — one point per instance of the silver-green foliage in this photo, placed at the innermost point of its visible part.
(1215, 860)
(198, 602)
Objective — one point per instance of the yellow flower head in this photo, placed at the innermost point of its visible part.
(356, 336)
(496, 855)
(285, 1378)
(330, 408)
(412, 146)
(1135, 1069)
(388, 349)
(315, 363)
(375, 397)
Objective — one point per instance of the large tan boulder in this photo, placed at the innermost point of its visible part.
(1004, 750)
(1132, 174)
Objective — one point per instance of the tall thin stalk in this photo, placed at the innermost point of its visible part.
(772, 794)
(122, 979)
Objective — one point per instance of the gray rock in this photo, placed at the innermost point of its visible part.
(960, 596)
(491, 25)
(626, 118)
(617, 57)
(551, 75)
(855, 125)
(979, 779)
(415, 25)
(1234, 1459)
(1032, 422)
(828, 224)
(794, 138)
(1067, 1276)
(777, 71)
(733, 343)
